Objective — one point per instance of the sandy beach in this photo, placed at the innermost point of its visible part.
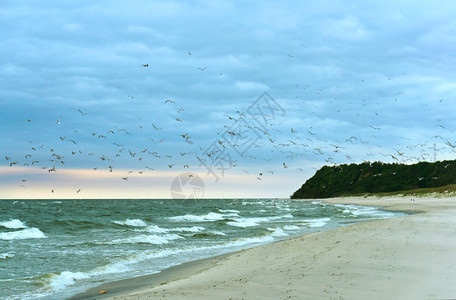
(410, 257)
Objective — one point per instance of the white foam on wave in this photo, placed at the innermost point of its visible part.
(210, 217)
(131, 222)
(146, 239)
(58, 282)
(318, 222)
(365, 211)
(6, 255)
(229, 211)
(250, 222)
(246, 222)
(290, 227)
(277, 232)
(13, 224)
(188, 229)
(155, 228)
(28, 233)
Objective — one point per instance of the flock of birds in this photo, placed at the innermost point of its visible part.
(278, 144)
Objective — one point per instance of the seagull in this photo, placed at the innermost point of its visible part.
(78, 191)
(58, 121)
(202, 69)
(170, 101)
(125, 178)
(178, 120)
(375, 128)
(285, 166)
(82, 113)
(145, 65)
(189, 53)
(156, 128)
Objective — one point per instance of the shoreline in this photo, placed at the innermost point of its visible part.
(346, 263)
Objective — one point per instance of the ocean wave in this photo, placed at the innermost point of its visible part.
(146, 239)
(29, 233)
(250, 222)
(155, 229)
(58, 282)
(6, 255)
(228, 211)
(210, 217)
(291, 227)
(188, 229)
(131, 222)
(318, 222)
(277, 232)
(13, 224)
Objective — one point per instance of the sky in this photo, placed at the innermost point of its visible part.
(115, 99)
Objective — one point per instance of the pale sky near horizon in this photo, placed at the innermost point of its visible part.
(84, 85)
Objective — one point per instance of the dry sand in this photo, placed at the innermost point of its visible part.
(410, 257)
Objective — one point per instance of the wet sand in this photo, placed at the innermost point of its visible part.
(410, 257)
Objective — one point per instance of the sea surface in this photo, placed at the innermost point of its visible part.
(59, 248)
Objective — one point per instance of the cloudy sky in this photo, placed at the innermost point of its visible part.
(261, 94)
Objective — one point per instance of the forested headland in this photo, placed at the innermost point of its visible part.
(376, 178)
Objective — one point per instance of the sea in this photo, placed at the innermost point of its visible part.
(54, 249)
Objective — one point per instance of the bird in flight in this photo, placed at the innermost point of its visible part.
(82, 113)
(202, 69)
(145, 65)
(156, 128)
(169, 101)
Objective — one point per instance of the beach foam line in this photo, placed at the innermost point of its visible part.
(28, 233)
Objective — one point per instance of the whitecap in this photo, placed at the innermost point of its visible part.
(147, 239)
(290, 227)
(229, 211)
(6, 255)
(188, 229)
(156, 229)
(318, 222)
(29, 233)
(131, 222)
(210, 217)
(277, 232)
(58, 282)
(13, 224)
